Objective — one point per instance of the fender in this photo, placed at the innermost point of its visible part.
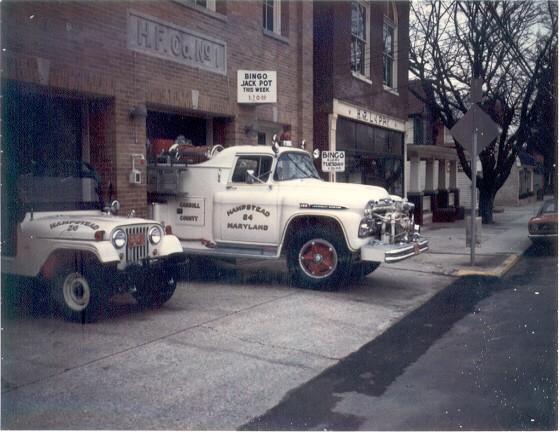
(45, 250)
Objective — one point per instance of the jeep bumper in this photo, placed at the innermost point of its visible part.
(390, 253)
(174, 258)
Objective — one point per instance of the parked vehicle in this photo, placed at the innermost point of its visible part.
(85, 253)
(544, 226)
(265, 202)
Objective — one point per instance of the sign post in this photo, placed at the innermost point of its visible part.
(477, 130)
(474, 154)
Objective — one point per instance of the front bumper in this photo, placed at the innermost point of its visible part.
(154, 262)
(542, 237)
(167, 260)
(380, 252)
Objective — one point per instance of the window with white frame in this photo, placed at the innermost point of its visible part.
(359, 54)
(206, 4)
(390, 46)
(272, 16)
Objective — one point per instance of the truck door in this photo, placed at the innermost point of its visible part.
(248, 208)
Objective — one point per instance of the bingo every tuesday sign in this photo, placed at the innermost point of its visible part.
(333, 161)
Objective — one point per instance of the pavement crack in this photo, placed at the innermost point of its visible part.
(274, 346)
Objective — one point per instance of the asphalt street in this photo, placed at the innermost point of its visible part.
(479, 356)
(237, 347)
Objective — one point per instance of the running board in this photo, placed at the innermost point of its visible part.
(235, 252)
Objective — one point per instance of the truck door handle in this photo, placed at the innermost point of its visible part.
(231, 187)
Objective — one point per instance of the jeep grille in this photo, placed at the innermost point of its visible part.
(137, 247)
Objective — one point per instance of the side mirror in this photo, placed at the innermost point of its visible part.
(316, 154)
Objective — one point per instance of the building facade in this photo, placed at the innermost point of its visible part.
(436, 182)
(360, 60)
(109, 82)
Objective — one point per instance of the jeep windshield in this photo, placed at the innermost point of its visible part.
(293, 165)
(63, 186)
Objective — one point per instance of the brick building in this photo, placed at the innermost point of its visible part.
(360, 88)
(105, 82)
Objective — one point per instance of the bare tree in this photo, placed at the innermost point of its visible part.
(508, 44)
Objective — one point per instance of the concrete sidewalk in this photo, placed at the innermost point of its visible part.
(502, 243)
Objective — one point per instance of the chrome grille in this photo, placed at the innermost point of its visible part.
(136, 252)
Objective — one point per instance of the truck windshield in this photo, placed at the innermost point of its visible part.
(295, 166)
(65, 187)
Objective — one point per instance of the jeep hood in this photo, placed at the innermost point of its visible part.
(76, 226)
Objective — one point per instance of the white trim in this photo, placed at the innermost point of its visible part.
(277, 18)
(368, 116)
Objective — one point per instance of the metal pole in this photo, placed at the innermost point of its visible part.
(473, 194)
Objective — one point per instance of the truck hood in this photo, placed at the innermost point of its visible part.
(76, 226)
(334, 194)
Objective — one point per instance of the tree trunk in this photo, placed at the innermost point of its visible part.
(486, 205)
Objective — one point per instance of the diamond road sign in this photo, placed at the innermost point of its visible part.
(475, 121)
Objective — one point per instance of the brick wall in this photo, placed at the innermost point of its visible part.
(79, 50)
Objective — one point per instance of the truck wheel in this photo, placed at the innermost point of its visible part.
(318, 259)
(78, 295)
(156, 289)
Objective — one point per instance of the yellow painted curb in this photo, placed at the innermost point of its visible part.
(498, 272)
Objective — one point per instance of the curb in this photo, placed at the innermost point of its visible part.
(497, 272)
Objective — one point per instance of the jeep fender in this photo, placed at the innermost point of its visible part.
(171, 245)
(102, 252)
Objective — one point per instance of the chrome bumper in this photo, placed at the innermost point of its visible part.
(390, 253)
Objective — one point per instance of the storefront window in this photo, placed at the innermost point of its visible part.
(374, 156)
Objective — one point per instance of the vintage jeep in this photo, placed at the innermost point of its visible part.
(264, 202)
(84, 253)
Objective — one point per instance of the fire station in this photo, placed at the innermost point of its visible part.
(111, 83)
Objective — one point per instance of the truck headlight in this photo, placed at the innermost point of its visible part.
(119, 238)
(154, 235)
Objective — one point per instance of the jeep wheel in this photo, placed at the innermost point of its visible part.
(155, 290)
(78, 296)
(318, 259)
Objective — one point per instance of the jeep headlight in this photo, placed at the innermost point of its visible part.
(154, 234)
(119, 238)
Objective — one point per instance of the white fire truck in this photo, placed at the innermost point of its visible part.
(82, 253)
(265, 202)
